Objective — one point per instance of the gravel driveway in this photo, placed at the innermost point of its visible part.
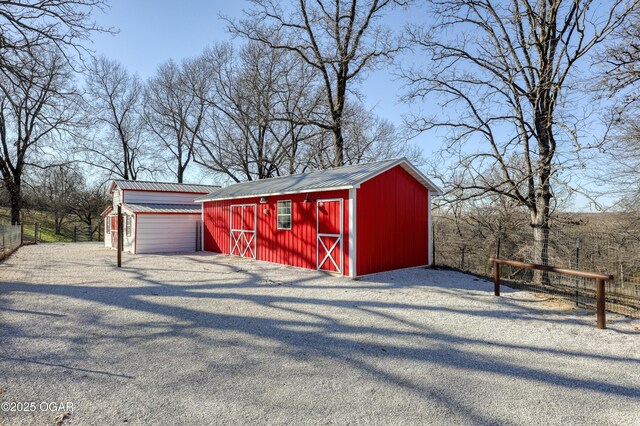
(205, 339)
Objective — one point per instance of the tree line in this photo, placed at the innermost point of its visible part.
(519, 86)
(250, 110)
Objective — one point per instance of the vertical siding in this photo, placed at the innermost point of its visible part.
(392, 223)
(127, 242)
(115, 197)
(295, 247)
(107, 235)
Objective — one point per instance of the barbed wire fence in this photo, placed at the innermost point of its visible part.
(467, 248)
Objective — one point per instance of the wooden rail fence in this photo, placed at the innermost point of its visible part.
(600, 279)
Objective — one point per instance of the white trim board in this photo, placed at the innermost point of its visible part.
(352, 232)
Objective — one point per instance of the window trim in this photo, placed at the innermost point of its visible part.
(127, 224)
(278, 214)
(107, 225)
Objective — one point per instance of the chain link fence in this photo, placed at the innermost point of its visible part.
(11, 239)
(469, 248)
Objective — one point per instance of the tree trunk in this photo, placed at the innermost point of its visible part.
(540, 225)
(57, 224)
(180, 174)
(338, 147)
(15, 198)
(15, 211)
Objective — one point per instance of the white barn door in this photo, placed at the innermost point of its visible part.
(329, 214)
(243, 230)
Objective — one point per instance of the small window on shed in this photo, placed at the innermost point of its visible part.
(284, 214)
(127, 222)
(107, 224)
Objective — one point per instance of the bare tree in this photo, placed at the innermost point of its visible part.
(27, 28)
(87, 205)
(623, 151)
(620, 58)
(175, 110)
(340, 39)
(372, 138)
(252, 132)
(619, 65)
(114, 99)
(368, 137)
(55, 191)
(507, 82)
(35, 111)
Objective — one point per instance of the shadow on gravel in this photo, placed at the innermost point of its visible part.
(313, 334)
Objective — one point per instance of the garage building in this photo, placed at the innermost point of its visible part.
(352, 220)
(158, 217)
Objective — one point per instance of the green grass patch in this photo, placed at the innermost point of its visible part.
(46, 227)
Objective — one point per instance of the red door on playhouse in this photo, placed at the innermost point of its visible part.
(329, 239)
(243, 230)
(114, 231)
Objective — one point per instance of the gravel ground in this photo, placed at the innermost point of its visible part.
(205, 339)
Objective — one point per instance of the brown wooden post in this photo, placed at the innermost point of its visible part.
(119, 248)
(600, 304)
(35, 234)
(21, 233)
(496, 278)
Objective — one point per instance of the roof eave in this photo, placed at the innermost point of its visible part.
(417, 174)
(106, 211)
(275, 194)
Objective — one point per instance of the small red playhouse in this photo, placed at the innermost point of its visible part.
(353, 220)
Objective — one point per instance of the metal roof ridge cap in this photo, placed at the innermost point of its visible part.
(167, 183)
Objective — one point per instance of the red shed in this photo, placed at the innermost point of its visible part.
(352, 220)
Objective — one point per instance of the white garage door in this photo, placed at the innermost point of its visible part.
(158, 233)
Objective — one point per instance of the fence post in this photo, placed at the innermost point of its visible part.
(600, 304)
(35, 234)
(577, 267)
(433, 244)
(75, 234)
(21, 233)
(120, 239)
(496, 278)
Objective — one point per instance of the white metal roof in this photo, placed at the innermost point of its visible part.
(139, 185)
(346, 177)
